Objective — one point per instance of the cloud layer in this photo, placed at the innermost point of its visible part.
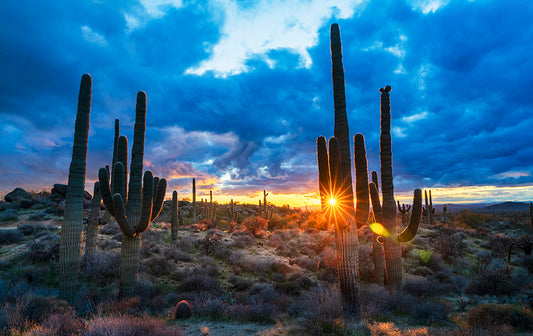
(239, 91)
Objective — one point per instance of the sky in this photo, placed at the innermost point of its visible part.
(238, 92)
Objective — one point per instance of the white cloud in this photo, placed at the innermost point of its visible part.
(415, 117)
(428, 6)
(93, 37)
(253, 31)
(149, 10)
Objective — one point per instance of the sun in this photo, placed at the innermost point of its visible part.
(332, 201)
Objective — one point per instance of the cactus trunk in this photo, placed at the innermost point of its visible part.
(72, 228)
(174, 216)
(129, 265)
(94, 221)
(194, 201)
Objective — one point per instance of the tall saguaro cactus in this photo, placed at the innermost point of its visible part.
(346, 219)
(387, 210)
(72, 228)
(95, 220)
(194, 201)
(142, 204)
(428, 211)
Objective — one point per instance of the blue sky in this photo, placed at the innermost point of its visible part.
(238, 91)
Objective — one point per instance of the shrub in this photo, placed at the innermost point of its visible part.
(44, 249)
(100, 268)
(262, 313)
(277, 223)
(199, 283)
(130, 326)
(255, 225)
(429, 313)
(496, 279)
(158, 265)
(10, 236)
(129, 306)
(9, 215)
(33, 229)
(488, 315)
(322, 311)
(471, 220)
(38, 308)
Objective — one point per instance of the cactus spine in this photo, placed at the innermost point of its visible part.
(174, 216)
(72, 228)
(387, 209)
(135, 206)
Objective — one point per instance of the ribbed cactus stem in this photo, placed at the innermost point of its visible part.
(71, 233)
(377, 244)
(531, 216)
(265, 194)
(174, 216)
(93, 224)
(323, 172)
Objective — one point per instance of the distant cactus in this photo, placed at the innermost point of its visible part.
(143, 202)
(404, 211)
(232, 212)
(72, 228)
(386, 211)
(174, 211)
(428, 211)
(194, 219)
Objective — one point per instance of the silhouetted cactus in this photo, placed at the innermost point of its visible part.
(232, 212)
(404, 211)
(135, 206)
(174, 213)
(531, 216)
(194, 219)
(428, 211)
(386, 211)
(72, 227)
(347, 219)
(377, 245)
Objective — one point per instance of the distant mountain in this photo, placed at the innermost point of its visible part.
(508, 206)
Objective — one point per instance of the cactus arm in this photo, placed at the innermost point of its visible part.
(147, 202)
(362, 207)
(159, 197)
(375, 179)
(336, 179)
(107, 198)
(376, 205)
(137, 154)
(120, 216)
(410, 231)
(323, 172)
(118, 179)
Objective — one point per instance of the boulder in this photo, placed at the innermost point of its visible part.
(19, 195)
(61, 189)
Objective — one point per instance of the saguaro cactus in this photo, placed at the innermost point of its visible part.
(174, 213)
(429, 210)
(194, 219)
(346, 219)
(71, 233)
(387, 210)
(95, 220)
(404, 211)
(232, 212)
(377, 243)
(143, 202)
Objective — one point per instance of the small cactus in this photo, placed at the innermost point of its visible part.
(174, 213)
(404, 211)
(428, 211)
(183, 310)
(95, 220)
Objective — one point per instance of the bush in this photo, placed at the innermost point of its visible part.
(322, 311)
(130, 326)
(100, 268)
(9, 215)
(199, 283)
(44, 249)
(10, 236)
(429, 313)
(496, 279)
(33, 229)
(255, 225)
(488, 315)
(65, 324)
(262, 313)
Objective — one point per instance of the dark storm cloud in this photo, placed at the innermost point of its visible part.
(460, 96)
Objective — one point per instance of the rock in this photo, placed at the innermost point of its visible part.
(5, 206)
(21, 196)
(183, 310)
(61, 189)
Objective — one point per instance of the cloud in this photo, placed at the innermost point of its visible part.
(93, 37)
(250, 32)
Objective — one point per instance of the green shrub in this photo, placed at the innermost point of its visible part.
(488, 315)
